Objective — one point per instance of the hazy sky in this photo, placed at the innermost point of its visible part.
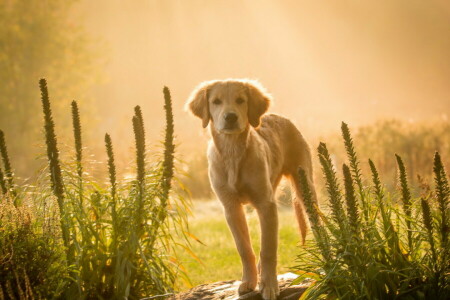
(323, 61)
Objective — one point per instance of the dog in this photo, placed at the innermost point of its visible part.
(248, 154)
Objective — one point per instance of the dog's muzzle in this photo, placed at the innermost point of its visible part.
(230, 121)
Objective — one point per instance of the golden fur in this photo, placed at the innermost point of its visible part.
(246, 162)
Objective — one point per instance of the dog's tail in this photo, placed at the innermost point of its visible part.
(299, 206)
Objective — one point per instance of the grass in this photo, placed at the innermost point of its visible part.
(217, 253)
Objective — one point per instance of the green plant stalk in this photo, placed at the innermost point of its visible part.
(442, 195)
(332, 188)
(167, 166)
(354, 167)
(352, 157)
(169, 147)
(352, 205)
(140, 163)
(379, 194)
(312, 210)
(139, 134)
(406, 199)
(427, 222)
(78, 148)
(3, 183)
(54, 166)
(111, 168)
(113, 182)
(7, 164)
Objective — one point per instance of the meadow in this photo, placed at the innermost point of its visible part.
(215, 249)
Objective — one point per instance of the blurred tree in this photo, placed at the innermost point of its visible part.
(39, 39)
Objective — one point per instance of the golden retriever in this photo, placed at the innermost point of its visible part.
(248, 154)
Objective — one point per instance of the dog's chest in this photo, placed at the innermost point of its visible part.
(226, 170)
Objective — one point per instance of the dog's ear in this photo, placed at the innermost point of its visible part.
(198, 103)
(258, 102)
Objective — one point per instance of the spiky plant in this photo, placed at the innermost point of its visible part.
(54, 165)
(333, 188)
(78, 146)
(120, 241)
(428, 223)
(350, 198)
(113, 192)
(375, 264)
(312, 210)
(139, 136)
(352, 156)
(3, 183)
(7, 164)
(112, 172)
(169, 147)
(442, 196)
(355, 169)
(406, 198)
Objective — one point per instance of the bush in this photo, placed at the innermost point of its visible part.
(31, 260)
(376, 245)
(110, 242)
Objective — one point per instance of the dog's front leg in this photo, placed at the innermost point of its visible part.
(238, 225)
(268, 217)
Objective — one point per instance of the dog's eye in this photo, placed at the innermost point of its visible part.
(217, 101)
(239, 100)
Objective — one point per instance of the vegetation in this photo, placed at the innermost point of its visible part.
(373, 244)
(415, 141)
(72, 237)
(40, 38)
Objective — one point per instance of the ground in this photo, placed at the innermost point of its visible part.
(218, 259)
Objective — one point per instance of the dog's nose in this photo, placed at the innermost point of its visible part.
(231, 118)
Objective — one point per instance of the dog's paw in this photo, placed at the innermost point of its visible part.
(247, 287)
(269, 289)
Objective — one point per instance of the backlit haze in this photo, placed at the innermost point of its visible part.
(323, 61)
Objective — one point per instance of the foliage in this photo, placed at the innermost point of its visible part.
(40, 38)
(31, 259)
(416, 141)
(104, 242)
(382, 246)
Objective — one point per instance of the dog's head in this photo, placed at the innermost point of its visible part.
(231, 105)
